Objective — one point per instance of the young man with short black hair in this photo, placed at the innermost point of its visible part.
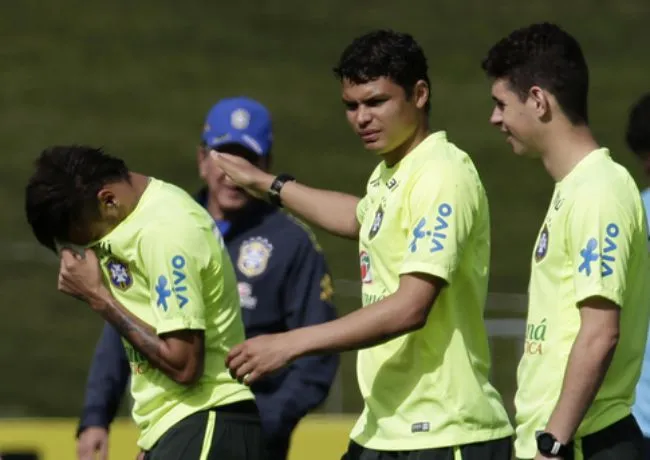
(589, 301)
(424, 249)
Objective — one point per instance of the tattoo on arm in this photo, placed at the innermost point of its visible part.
(142, 336)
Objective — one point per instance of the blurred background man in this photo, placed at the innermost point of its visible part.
(638, 140)
(283, 283)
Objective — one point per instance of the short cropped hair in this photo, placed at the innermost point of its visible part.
(547, 56)
(384, 53)
(637, 135)
(63, 189)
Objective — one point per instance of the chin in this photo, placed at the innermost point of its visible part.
(377, 147)
(525, 152)
(232, 205)
(518, 148)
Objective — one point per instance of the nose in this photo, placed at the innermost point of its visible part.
(363, 116)
(497, 117)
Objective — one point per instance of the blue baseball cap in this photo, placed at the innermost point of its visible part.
(239, 120)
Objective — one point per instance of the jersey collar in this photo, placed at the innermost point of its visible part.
(592, 157)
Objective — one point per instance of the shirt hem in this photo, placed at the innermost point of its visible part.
(438, 271)
(529, 451)
(149, 439)
(458, 439)
(608, 294)
(179, 325)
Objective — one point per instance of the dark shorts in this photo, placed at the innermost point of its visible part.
(500, 449)
(231, 432)
(646, 446)
(621, 440)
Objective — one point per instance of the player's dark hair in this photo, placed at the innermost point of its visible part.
(638, 127)
(543, 55)
(384, 53)
(63, 189)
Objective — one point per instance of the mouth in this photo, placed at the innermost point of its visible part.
(233, 190)
(369, 135)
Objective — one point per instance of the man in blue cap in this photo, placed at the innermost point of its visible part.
(283, 283)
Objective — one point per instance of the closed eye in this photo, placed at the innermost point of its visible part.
(375, 102)
(499, 103)
(350, 105)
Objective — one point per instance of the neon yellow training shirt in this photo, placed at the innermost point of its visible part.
(428, 388)
(166, 264)
(593, 242)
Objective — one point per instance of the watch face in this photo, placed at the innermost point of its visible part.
(545, 442)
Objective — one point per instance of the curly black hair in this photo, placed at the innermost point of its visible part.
(384, 53)
(638, 127)
(546, 56)
(63, 189)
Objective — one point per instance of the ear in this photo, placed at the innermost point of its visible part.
(539, 101)
(201, 154)
(421, 94)
(107, 201)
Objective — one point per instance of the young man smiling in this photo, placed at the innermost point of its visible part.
(589, 301)
(424, 250)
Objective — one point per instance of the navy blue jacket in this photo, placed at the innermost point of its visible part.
(284, 284)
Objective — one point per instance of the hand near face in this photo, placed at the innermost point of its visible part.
(80, 276)
(243, 173)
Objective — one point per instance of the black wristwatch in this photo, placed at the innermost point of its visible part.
(549, 446)
(276, 186)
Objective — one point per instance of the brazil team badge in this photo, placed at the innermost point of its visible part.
(119, 274)
(254, 255)
(376, 223)
(542, 244)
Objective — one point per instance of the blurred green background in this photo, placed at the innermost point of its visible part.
(138, 78)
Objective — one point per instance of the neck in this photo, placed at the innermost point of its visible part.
(128, 194)
(396, 155)
(138, 184)
(564, 148)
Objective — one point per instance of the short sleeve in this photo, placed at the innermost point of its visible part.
(600, 235)
(173, 261)
(440, 216)
(362, 207)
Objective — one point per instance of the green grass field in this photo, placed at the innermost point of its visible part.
(138, 77)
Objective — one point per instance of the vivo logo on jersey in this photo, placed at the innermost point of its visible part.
(437, 235)
(610, 246)
(178, 288)
(178, 262)
(591, 255)
(440, 230)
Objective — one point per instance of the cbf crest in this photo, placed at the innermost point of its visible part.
(254, 255)
(119, 273)
(542, 244)
(376, 222)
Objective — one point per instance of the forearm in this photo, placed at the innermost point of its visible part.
(369, 326)
(334, 212)
(140, 335)
(588, 362)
